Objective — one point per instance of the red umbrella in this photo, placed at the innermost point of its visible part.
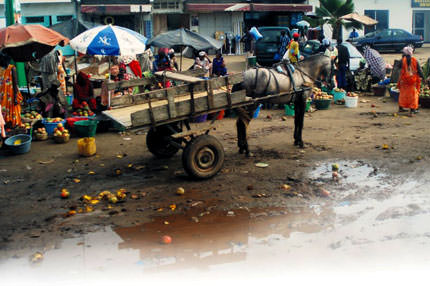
(28, 42)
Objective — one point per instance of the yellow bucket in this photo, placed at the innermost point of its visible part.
(87, 146)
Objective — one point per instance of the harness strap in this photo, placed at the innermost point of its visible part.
(256, 78)
(268, 82)
(276, 81)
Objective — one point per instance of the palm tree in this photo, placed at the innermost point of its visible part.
(330, 12)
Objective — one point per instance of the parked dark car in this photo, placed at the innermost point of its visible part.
(389, 39)
(268, 46)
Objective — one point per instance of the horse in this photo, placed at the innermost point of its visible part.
(260, 82)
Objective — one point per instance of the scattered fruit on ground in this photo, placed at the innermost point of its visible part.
(180, 191)
(64, 193)
(166, 239)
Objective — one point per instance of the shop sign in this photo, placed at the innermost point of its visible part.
(420, 3)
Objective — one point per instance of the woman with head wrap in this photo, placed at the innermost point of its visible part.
(409, 82)
(293, 52)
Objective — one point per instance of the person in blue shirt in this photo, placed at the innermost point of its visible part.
(284, 40)
(218, 65)
(353, 34)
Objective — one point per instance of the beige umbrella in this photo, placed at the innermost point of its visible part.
(365, 20)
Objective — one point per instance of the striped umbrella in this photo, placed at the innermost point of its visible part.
(109, 40)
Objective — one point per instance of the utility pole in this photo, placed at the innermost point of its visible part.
(10, 20)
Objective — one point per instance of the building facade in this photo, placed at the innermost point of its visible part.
(234, 17)
(44, 12)
(410, 15)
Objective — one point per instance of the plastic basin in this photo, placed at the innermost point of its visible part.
(86, 128)
(351, 102)
(72, 120)
(394, 93)
(338, 95)
(50, 126)
(289, 108)
(22, 148)
(322, 104)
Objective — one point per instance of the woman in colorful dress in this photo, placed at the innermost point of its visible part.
(409, 82)
(10, 96)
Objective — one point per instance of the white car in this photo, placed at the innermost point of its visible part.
(312, 47)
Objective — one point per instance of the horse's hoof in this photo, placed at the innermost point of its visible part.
(299, 143)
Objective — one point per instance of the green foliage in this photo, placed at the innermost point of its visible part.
(331, 11)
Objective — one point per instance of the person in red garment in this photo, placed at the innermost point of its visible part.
(83, 91)
(409, 83)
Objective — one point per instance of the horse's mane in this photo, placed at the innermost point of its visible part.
(312, 58)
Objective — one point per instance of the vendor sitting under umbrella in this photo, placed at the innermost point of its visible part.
(83, 91)
(203, 62)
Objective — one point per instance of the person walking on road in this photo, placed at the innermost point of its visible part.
(409, 82)
(283, 43)
(342, 65)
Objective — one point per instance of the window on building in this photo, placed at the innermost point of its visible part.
(379, 15)
(30, 20)
(64, 18)
(418, 24)
(166, 4)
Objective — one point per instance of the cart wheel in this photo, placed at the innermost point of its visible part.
(159, 141)
(203, 157)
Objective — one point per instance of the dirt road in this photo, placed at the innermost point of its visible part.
(241, 219)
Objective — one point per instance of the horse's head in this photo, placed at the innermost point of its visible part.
(319, 68)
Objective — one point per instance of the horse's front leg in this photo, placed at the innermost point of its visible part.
(242, 123)
(299, 117)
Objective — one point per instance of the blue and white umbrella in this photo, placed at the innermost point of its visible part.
(109, 40)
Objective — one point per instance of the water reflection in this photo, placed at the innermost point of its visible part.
(216, 238)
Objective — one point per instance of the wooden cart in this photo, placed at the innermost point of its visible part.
(168, 112)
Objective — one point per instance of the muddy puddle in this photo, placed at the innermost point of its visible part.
(370, 223)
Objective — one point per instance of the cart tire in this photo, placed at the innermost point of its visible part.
(158, 141)
(203, 157)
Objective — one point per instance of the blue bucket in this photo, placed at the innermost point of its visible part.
(50, 126)
(21, 148)
(338, 95)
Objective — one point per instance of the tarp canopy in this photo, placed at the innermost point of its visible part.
(184, 38)
(365, 20)
(28, 42)
(70, 29)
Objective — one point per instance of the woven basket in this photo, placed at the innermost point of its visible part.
(41, 137)
(61, 139)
